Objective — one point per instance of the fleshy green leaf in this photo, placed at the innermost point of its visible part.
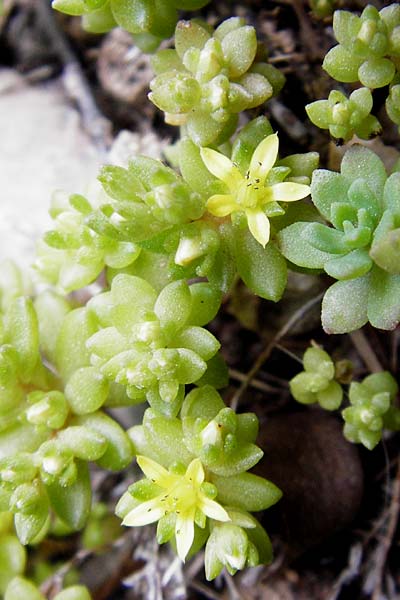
(173, 306)
(328, 187)
(361, 163)
(263, 270)
(341, 64)
(344, 306)
(239, 47)
(86, 390)
(119, 452)
(72, 504)
(246, 491)
(376, 72)
(383, 300)
(294, 246)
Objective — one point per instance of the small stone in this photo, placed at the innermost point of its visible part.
(318, 471)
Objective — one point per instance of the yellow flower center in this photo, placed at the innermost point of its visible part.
(250, 192)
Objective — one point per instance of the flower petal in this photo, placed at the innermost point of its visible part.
(259, 225)
(195, 472)
(221, 205)
(264, 157)
(184, 534)
(220, 166)
(212, 509)
(154, 471)
(145, 513)
(288, 191)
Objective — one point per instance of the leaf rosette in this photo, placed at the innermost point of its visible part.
(360, 245)
(210, 77)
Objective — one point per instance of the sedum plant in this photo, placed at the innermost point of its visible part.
(150, 21)
(44, 450)
(317, 382)
(152, 222)
(345, 117)
(369, 52)
(358, 246)
(255, 193)
(73, 255)
(162, 244)
(151, 345)
(371, 409)
(211, 77)
(195, 481)
(369, 46)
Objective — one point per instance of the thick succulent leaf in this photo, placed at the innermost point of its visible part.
(319, 113)
(376, 72)
(194, 170)
(134, 17)
(331, 397)
(199, 340)
(71, 351)
(190, 366)
(247, 491)
(239, 47)
(74, 592)
(203, 402)
(84, 443)
(100, 20)
(20, 588)
(161, 406)
(120, 183)
(51, 310)
(294, 246)
(263, 270)
(383, 300)
(326, 239)
(21, 437)
(119, 451)
(391, 194)
(346, 26)
(354, 264)
(361, 163)
(86, 390)
(205, 131)
(189, 34)
(173, 306)
(22, 331)
(361, 195)
(72, 504)
(328, 187)
(235, 463)
(344, 306)
(385, 249)
(259, 537)
(341, 64)
(162, 438)
(206, 301)
(29, 527)
(12, 560)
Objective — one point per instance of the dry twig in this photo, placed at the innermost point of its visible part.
(270, 346)
(366, 351)
(373, 582)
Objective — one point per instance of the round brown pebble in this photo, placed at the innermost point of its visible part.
(318, 471)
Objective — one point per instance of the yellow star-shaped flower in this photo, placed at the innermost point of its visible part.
(181, 494)
(249, 193)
